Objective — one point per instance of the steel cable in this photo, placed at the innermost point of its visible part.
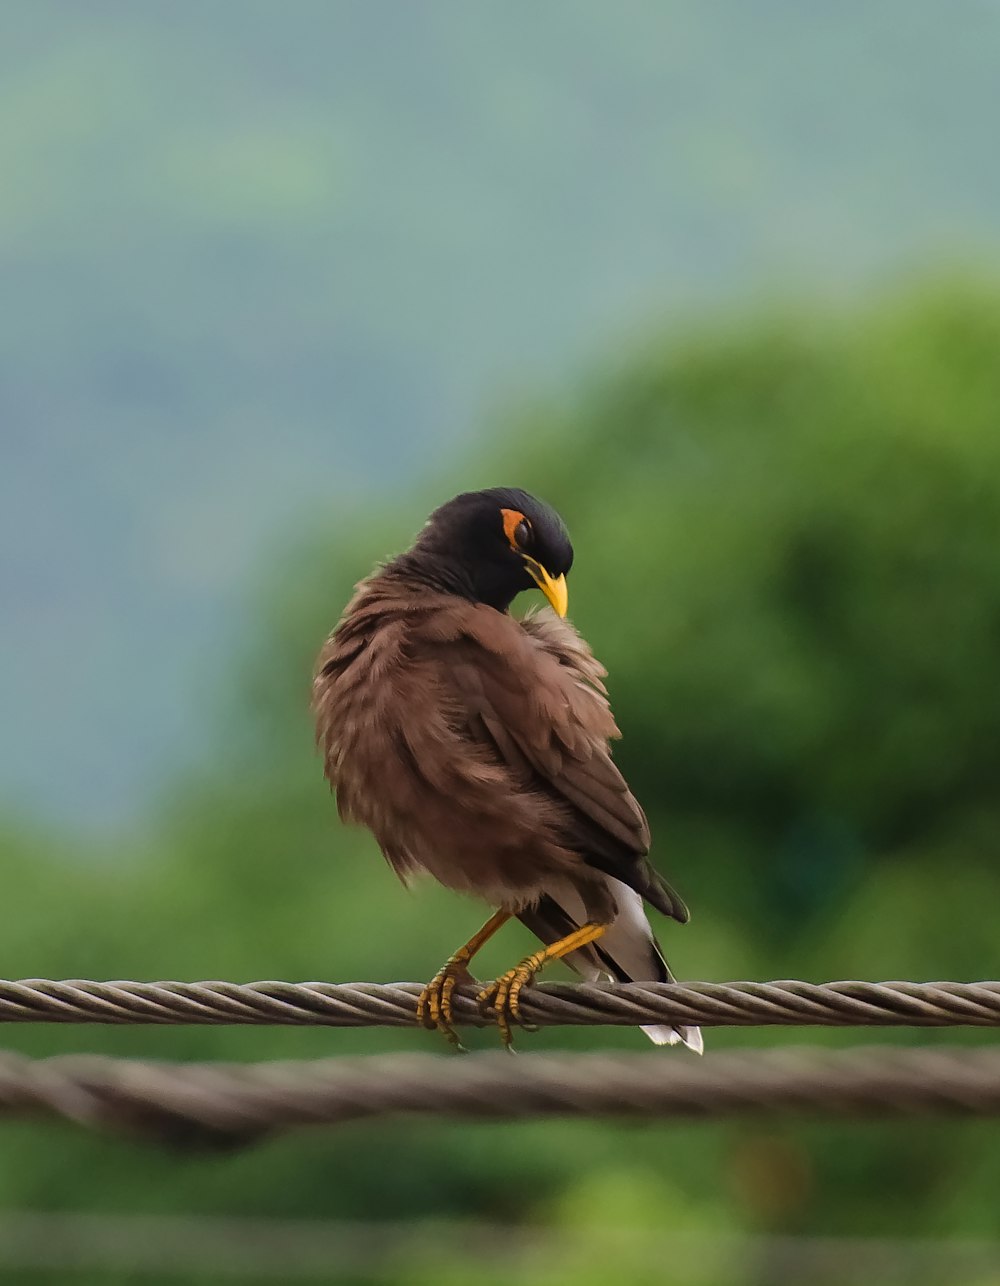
(230, 1104)
(708, 1004)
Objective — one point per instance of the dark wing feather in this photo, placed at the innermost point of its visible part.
(548, 921)
(536, 692)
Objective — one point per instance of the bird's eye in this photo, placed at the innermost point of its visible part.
(523, 534)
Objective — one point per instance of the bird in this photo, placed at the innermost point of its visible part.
(475, 746)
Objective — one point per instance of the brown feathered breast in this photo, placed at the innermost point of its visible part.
(475, 747)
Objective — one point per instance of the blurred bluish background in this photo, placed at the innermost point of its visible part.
(719, 281)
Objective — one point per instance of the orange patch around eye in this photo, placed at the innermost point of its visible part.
(511, 519)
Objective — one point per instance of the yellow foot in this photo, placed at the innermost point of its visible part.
(434, 1009)
(504, 996)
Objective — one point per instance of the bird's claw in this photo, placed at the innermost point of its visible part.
(434, 1006)
(503, 997)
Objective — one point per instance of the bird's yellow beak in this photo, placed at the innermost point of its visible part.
(554, 588)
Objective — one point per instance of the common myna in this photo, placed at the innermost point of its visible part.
(475, 747)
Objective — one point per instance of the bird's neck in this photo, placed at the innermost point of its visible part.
(446, 576)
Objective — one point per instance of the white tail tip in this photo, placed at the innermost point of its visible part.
(689, 1036)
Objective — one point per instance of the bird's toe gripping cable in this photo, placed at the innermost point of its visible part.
(434, 1004)
(434, 1007)
(503, 996)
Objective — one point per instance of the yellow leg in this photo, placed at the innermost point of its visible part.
(504, 995)
(434, 1004)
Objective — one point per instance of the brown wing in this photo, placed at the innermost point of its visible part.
(410, 758)
(535, 692)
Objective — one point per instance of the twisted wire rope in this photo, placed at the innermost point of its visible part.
(227, 1104)
(708, 1004)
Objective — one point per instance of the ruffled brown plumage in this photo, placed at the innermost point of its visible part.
(476, 748)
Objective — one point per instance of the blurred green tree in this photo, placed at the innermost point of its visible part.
(787, 537)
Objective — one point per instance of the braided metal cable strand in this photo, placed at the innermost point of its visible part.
(220, 1104)
(707, 1004)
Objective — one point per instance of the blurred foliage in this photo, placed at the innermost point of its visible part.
(787, 536)
(257, 257)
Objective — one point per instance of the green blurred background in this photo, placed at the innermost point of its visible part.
(718, 281)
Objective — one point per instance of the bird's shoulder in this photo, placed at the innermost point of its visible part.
(535, 677)
(539, 670)
(534, 689)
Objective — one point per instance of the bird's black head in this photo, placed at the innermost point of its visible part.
(490, 545)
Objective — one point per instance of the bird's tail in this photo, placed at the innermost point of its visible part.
(627, 951)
